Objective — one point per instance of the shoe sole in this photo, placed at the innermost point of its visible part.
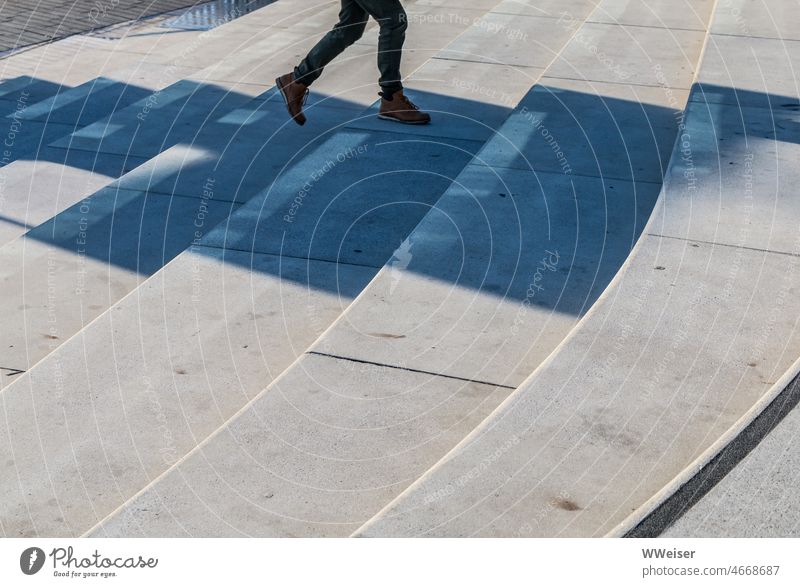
(286, 101)
(393, 119)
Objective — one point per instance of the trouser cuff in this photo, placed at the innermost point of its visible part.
(387, 91)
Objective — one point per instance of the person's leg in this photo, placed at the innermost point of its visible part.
(294, 85)
(351, 25)
(393, 24)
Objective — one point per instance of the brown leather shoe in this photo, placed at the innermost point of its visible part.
(401, 109)
(295, 95)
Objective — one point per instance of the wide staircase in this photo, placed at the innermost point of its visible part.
(217, 323)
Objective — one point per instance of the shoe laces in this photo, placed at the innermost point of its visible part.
(408, 102)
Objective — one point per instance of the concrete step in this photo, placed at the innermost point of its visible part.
(37, 113)
(773, 19)
(335, 436)
(680, 14)
(212, 69)
(690, 336)
(137, 64)
(33, 191)
(77, 173)
(75, 60)
(743, 484)
(148, 47)
(147, 126)
(749, 488)
(244, 150)
(231, 82)
(158, 121)
(40, 181)
(104, 245)
(236, 149)
(144, 53)
(84, 104)
(18, 92)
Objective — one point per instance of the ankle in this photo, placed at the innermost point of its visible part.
(389, 95)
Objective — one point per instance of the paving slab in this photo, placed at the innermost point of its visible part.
(262, 63)
(76, 60)
(733, 181)
(283, 14)
(172, 47)
(671, 14)
(496, 275)
(633, 396)
(777, 19)
(546, 8)
(483, 4)
(342, 199)
(328, 453)
(124, 46)
(743, 71)
(182, 353)
(630, 54)
(144, 74)
(429, 25)
(605, 130)
(510, 39)
(312, 19)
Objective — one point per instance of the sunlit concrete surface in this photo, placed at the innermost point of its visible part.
(550, 312)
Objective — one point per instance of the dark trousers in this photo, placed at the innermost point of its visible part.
(352, 21)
